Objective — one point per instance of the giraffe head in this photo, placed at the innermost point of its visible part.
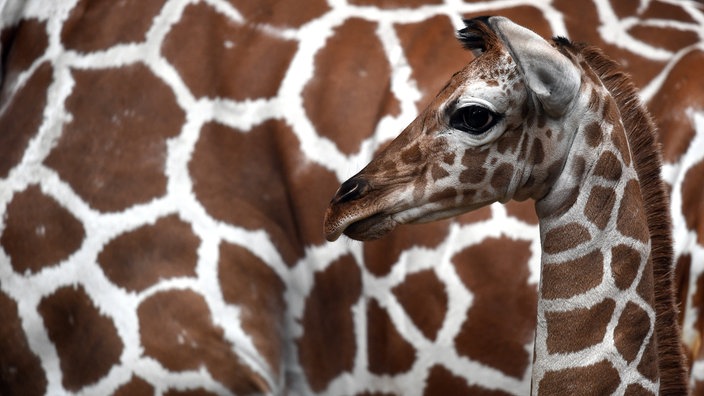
(499, 130)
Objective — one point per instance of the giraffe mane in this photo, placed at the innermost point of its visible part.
(645, 151)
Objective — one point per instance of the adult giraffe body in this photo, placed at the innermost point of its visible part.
(564, 127)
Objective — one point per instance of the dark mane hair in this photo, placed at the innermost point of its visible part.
(645, 151)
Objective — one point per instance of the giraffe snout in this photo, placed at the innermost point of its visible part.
(351, 190)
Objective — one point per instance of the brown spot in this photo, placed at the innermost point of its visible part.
(21, 116)
(246, 281)
(215, 56)
(502, 176)
(38, 231)
(387, 351)
(21, 371)
(412, 155)
(664, 37)
(474, 161)
(280, 13)
(141, 258)
(438, 172)
(442, 195)
(382, 254)
(501, 320)
(327, 320)
(538, 154)
(93, 26)
(351, 88)
(593, 134)
(565, 237)
(645, 288)
(442, 381)
(524, 211)
(599, 205)
(422, 295)
(177, 329)
(680, 87)
(578, 329)
(509, 141)
(600, 379)
(136, 386)
(225, 161)
(123, 134)
(625, 8)
(86, 341)
(449, 158)
(693, 200)
(636, 390)
(570, 278)
(630, 333)
(625, 262)
(608, 166)
(648, 365)
(579, 166)
(619, 138)
(428, 40)
(631, 216)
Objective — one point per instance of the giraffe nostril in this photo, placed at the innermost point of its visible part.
(351, 190)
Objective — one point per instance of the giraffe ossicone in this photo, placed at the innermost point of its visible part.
(560, 124)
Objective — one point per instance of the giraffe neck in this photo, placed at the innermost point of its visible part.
(595, 311)
(606, 281)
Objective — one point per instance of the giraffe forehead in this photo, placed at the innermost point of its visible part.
(494, 80)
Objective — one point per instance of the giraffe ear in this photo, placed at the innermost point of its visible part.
(548, 73)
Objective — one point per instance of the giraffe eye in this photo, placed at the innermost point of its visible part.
(473, 119)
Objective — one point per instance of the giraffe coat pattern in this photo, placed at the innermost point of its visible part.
(165, 168)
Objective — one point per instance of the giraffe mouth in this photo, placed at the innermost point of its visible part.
(359, 226)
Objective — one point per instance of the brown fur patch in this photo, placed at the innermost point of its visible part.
(86, 341)
(593, 134)
(570, 278)
(608, 166)
(565, 237)
(631, 213)
(599, 205)
(334, 292)
(600, 378)
(422, 295)
(388, 352)
(502, 176)
(575, 330)
(632, 328)
(625, 262)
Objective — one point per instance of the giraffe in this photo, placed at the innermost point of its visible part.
(527, 120)
(164, 167)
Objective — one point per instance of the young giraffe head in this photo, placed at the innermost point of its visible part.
(499, 130)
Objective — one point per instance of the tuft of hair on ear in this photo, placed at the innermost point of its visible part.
(472, 36)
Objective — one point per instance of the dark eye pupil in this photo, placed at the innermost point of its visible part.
(473, 119)
(476, 117)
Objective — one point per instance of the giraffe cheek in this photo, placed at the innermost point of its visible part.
(502, 176)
